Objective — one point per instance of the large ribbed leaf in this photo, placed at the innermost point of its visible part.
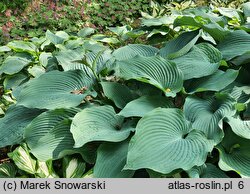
(131, 50)
(98, 124)
(165, 141)
(207, 114)
(180, 45)
(153, 70)
(14, 64)
(48, 135)
(206, 171)
(118, 93)
(239, 126)
(235, 154)
(215, 82)
(235, 44)
(68, 59)
(22, 46)
(56, 89)
(111, 158)
(141, 106)
(202, 60)
(12, 125)
(57, 38)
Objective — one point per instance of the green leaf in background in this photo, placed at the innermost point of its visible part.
(13, 81)
(111, 158)
(131, 50)
(67, 59)
(12, 125)
(165, 141)
(207, 114)
(120, 94)
(48, 135)
(165, 20)
(180, 45)
(56, 89)
(57, 38)
(4, 49)
(234, 44)
(154, 70)
(98, 124)
(14, 64)
(44, 58)
(246, 9)
(141, 106)
(215, 82)
(207, 170)
(235, 154)
(239, 126)
(73, 167)
(7, 170)
(86, 32)
(23, 159)
(22, 46)
(202, 60)
(211, 27)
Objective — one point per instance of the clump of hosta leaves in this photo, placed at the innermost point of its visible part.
(83, 109)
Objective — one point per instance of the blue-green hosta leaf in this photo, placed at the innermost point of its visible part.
(234, 44)
(12, 125)
(118, 93)
(23, 159)
(215, 82)
(111, 158)
(131, 50)
(86, 32)
(165, 141)
(44, 58)
(154, 70)
(206, 171)
(13, 81)
(48, 135)
(56, 89)
(7, 170)
(57, 38)
(239, 126)
(14, 64)
(246, 9)
(98, 60)
(141, 106)
(98, 124)
(22, 46)
(165, 20)
(68, 59)
(180, 45)
(235, 154)
(105, 39)
(207, 114)
(202, 60)
(73, 167)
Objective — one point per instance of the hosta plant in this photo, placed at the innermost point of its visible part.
(78, 108)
